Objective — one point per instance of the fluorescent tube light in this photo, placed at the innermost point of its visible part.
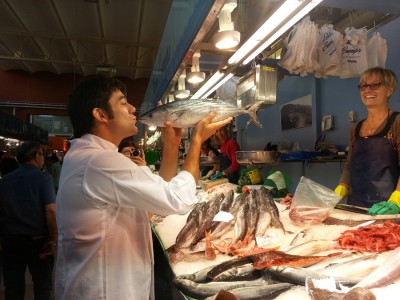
(283, 29)
(272, 24)
(208, 84)
(221, 82)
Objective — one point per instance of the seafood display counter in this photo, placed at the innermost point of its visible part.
(260, 252)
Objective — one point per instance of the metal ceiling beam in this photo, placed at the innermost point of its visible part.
(77, 39)
(70, 62)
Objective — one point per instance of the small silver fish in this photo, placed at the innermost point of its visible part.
(187, 113)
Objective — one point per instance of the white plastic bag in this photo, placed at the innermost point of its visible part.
(354, 53)
(329, 51)
(376, 51)
(301, 57)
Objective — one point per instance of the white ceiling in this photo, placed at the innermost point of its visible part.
(77, 36)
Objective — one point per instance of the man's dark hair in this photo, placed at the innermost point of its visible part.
(94, 92)
(27, 151)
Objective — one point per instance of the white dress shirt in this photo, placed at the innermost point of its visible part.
(105, 246)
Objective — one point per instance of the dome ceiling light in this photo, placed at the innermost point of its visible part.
(227, 37)
(181, 92)
(195, 76)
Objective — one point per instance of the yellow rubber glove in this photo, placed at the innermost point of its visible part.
(342, 191)
(395, 198)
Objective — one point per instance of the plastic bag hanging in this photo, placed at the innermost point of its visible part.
(354, 53)
(301, 56)
(376, 51)
(329, 50)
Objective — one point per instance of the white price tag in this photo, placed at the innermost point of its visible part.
(266, 240)
(223, 216)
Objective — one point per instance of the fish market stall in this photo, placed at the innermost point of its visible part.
(274, 256)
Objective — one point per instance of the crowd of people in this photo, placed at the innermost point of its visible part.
(92, 207)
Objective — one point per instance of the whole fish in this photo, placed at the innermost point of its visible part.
(264, 217)
(387, 273)
(244, 272)
(298, 275)
(312, 247)
(263, 292)
(203, 290)
(199, 276)
(190, 228)
(279, 258)
(272, 208)
(357, 267)
(206, 222)
(226, 265)
(253, 213)
(224, 227)
(187, 113)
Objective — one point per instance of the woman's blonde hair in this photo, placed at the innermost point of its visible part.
(388, 77)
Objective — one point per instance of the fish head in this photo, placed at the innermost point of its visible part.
(154, 117)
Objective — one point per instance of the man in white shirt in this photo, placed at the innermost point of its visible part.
(105, 247)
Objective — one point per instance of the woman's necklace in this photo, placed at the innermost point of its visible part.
(372, 129)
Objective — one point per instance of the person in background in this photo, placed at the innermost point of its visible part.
(54, 168)
(28, 227)
(228, 165)
(208, 150)
(133, 151)
(371, 174)
(7, 165)
(105, 245)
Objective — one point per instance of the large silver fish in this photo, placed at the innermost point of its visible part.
(203, 290)
(262, 292)
(187, 113)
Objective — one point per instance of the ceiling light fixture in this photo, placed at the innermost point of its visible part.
(181, 92)
(195, 76)
(227, 37)
(281, 20)
(218, 84)
(214, 82)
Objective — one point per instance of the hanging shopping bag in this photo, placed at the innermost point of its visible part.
(354, 53)
(301, 57)
(329, 47)
(376, 51)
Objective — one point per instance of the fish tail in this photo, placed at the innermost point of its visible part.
(253, 114)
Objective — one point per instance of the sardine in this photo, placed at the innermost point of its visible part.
(187, 113)
(203, 290)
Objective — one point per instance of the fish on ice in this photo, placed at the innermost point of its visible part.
(187, 113)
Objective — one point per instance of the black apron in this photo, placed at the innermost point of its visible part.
(224, 163)
(374, 167)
